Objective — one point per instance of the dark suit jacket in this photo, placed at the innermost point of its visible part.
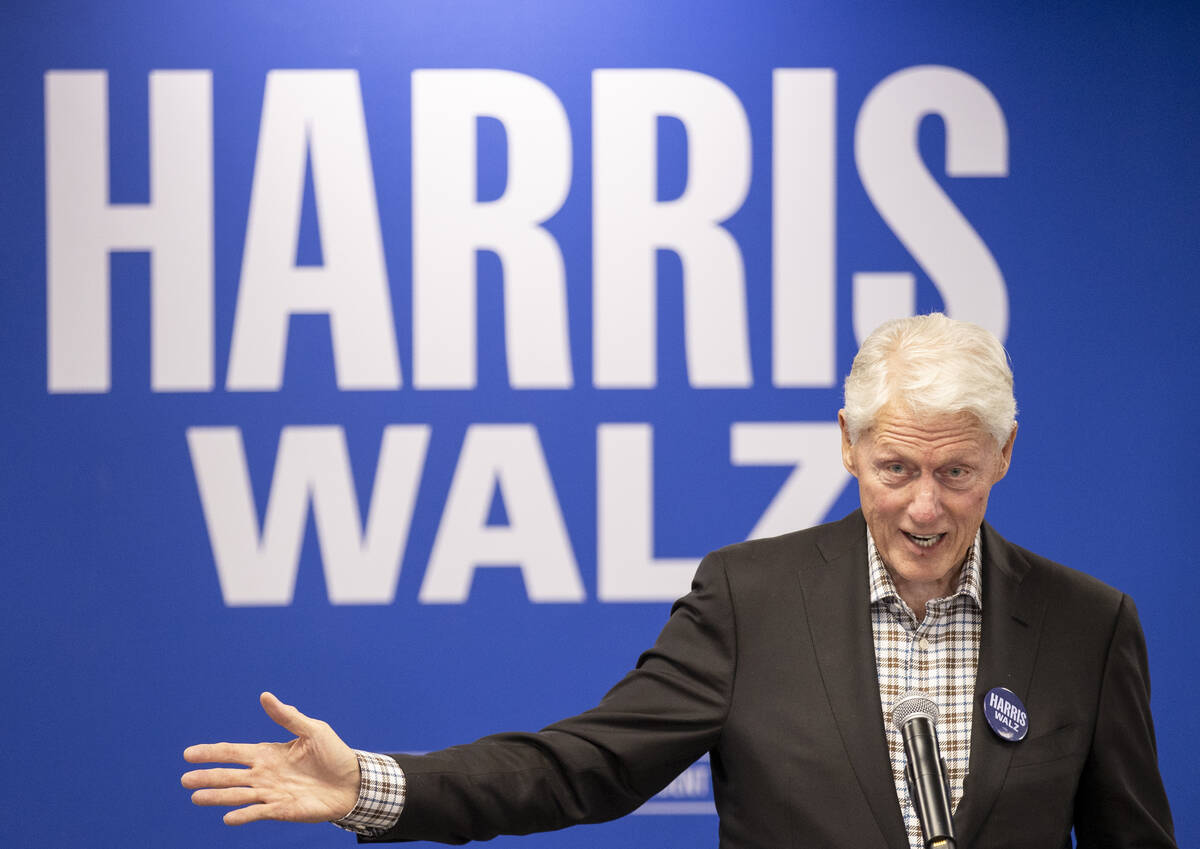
(769, 664)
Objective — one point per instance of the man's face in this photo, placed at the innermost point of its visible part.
(923, 483)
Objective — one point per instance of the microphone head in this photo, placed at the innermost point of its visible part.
(911, 704)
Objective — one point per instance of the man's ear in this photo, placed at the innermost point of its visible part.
(1006, 453)
(847, 449)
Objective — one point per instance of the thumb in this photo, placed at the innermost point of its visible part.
(285, 715)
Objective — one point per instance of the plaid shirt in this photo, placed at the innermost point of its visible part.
(937, 656)
(381, 793)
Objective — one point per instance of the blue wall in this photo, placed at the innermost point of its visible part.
(142, 612)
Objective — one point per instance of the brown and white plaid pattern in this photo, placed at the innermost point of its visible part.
(937, 656)
(381, 793)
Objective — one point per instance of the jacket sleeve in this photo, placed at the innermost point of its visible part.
(1120, 800)
(601, 764)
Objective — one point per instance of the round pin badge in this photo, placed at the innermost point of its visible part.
(1006, 714)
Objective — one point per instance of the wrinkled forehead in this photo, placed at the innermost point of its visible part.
(901, 427)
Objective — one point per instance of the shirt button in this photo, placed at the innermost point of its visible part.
(924, 643)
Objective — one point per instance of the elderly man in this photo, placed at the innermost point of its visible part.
(788, 655)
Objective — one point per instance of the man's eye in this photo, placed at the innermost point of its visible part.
(895, 468)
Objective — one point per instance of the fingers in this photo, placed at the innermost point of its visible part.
(229, 798)
(198, 778)
(286, 715)
(251, 813)
(220, 753)
(243, 753)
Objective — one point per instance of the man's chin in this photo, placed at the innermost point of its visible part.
(921, 571)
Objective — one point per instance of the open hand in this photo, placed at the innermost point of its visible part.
(313, 778)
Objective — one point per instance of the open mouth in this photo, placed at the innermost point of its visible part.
(924, 540)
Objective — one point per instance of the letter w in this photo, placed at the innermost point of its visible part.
(312, 465)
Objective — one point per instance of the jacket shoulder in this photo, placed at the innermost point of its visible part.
(817, 544)
(1060, 583)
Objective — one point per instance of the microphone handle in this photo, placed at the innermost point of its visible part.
(927, 782)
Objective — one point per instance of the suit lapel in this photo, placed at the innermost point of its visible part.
(1012, 619)
(835, 594)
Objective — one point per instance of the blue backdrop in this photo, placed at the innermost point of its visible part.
(375, 353)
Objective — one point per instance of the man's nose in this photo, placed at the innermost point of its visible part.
(926, 505)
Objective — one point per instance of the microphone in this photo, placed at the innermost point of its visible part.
(915, 716)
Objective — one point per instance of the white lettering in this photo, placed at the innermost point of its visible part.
(312, 465)
(82, 227)
(813, 449)
(803, 235)
(450, 225)
(627, 569)
(630, 224)
(695, 781)
(318, 113)
(913, 204)
(508, 458)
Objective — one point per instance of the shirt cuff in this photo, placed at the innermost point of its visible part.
(381, 792)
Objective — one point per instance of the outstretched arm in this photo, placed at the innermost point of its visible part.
(313, 778)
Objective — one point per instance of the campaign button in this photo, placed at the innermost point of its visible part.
(1005, 714)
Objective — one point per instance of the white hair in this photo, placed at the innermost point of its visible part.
(931, 364)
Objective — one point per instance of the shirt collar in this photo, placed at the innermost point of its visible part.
(970, 580)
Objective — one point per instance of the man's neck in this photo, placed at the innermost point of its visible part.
(917, 594)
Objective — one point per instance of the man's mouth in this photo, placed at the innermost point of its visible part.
(924, 540)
